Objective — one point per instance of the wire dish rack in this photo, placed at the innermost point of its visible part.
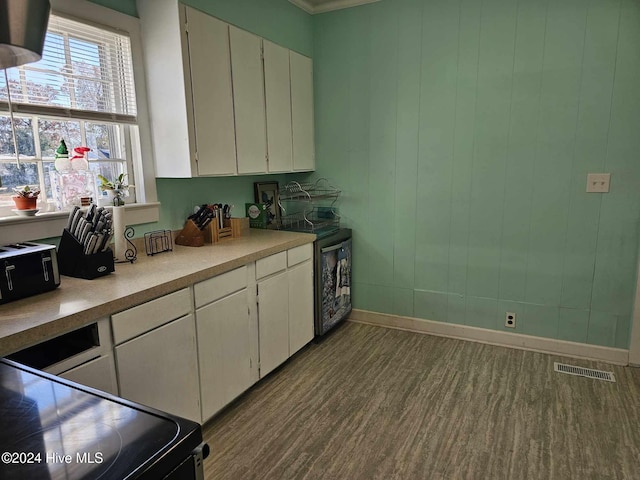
(309, 207)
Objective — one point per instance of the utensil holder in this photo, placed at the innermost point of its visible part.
(72, 261)
(190, 235)
(232, 228)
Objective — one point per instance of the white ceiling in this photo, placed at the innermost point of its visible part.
(321, 6)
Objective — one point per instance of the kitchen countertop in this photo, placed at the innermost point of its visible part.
(77, 302)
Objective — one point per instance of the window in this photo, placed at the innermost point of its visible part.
(81, 91)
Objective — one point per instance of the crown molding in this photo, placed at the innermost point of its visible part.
(329, 6)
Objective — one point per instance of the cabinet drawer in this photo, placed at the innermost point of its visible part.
(220, 286)
(145, 317)
(299, 254)
(272, 264)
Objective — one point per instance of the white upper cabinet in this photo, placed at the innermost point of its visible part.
(302, 112)
(277, 87)
(168, 87)
(248, 99)
(217, 107)
(209, 59)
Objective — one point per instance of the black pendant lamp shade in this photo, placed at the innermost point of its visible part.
(23, 26)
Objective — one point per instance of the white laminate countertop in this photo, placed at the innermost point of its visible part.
(77, 302)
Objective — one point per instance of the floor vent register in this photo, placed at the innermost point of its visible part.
(584, 372)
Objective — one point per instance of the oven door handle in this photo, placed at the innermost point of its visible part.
(332, 248)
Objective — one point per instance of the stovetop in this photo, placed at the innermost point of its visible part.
(54, 429)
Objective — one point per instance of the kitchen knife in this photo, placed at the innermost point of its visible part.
(91, 212)
(198, 214)
(98, 243)
(97, 217)
(106, 241)
(214, 209)
(76, 219)
(207, 220)
(85, 231)
(79, 225)
(71, 217)
(90, 243)
(206, 223)
(204, 214)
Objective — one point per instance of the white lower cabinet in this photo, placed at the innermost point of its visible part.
(160, 369)
(99, 373)
(300, 279)
(285, 305)
(273, 319)
(224, 352)
(193, 364)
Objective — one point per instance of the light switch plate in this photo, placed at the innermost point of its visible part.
(598, 182)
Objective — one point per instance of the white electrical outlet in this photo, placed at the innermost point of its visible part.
(510, 320)
(598, 182)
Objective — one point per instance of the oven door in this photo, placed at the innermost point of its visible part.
(333, 294)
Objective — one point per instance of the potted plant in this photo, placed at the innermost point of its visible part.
(116, 189)
(26, 198)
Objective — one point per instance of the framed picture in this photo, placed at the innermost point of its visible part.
(267, 193)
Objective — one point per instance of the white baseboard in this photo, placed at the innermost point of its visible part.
(493, 337)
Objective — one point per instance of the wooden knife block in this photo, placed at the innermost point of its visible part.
(233, 228)
(190, 235)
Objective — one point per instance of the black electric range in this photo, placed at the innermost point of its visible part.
(54, 429)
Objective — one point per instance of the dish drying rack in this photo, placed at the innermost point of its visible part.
(309, 207)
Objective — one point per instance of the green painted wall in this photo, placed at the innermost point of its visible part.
(462, 133)
(179, 196)
(124, 6)
(277, 20)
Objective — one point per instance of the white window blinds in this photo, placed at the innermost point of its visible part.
(85, 72)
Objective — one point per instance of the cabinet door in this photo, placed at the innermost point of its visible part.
(277, 87)
(302, 112)
(210, 64)
(99, 373)
(248, 100)
(300, 279)
(273, 321)
(224, 352)
(160, 369)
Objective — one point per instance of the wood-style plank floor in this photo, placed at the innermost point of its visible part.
(377, 403)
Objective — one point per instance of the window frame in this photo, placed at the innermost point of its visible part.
(146, 208)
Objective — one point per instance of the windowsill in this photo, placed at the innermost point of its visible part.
(50, 224)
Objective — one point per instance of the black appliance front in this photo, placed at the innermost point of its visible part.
(27, 269)
(333, 259)
(51, 428)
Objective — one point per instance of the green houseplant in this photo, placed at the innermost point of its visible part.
(116, 189)
(26, 198)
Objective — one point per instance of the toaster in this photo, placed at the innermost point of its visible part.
(27, 269)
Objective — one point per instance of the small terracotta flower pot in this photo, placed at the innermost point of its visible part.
(25, 203)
